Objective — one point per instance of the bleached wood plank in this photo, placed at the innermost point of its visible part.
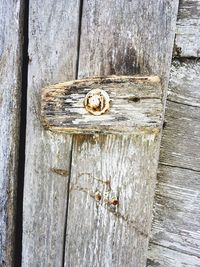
(170, 258)
(53, 33)
(175, 237)
(181, 137)
(11, 19)
(176, 221)
(187, 41)
(127, 37)
(117, 37)
(135, 106)
(107, 168)
(184, 83)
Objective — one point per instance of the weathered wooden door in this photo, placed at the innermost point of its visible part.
(63, 223)
(88, 198)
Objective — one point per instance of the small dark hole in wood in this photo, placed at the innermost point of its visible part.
(134, 99)
(164, 124)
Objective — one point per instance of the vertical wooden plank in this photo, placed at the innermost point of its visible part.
(53, 33)
(175, 238)
(127, 37)
(10, 96)
(117, 37)
(111, 191)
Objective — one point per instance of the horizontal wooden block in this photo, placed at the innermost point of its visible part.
(135, 105)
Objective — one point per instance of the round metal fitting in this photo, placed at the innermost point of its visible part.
(97, 102)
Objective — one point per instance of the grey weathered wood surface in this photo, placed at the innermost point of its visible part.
(106, 167)
(10, 95)
(53, 35)
(126, 37)
(187, 41)
(117, 37)
(165, 257)
(135, 106)
(175, 237)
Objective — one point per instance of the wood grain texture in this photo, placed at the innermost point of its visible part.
(170, 258)
(53, 34)
(181, 137)
(10, 96)
(107, 168)
(187, 41)
(135, 106)
(184, 83)
(177, 217)
(127, 37)
(117, 37)
(175, 237)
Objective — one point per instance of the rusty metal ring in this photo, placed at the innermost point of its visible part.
(97, 102)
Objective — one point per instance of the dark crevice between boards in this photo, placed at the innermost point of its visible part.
(22, 137)
(183, 104)
(79, 37)
(72, 145)
(179, 167)
(67, 204)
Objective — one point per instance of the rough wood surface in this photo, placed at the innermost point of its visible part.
(117, 37)
(10, 95)
(175, 237)
(187, 41)
(110, 199)
(127, 37)
(184, 83)
(181, 137)
(165, 257)
(53, 34)
(177, 217)
(135, 105)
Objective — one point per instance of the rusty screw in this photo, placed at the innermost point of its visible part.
(97, 196)
(114, 201)
(97, 102)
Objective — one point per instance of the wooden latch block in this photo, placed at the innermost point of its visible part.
(114, 104)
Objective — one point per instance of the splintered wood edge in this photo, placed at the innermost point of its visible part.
(113, 78)
(102, 80)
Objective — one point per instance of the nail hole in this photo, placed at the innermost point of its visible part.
(97, 196)
(134, 99)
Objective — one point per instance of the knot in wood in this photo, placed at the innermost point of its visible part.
(97, 102)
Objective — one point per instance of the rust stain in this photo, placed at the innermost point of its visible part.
(98, 196)
(114, 201)
(61, 172)
(80, 139)
(97, 102)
